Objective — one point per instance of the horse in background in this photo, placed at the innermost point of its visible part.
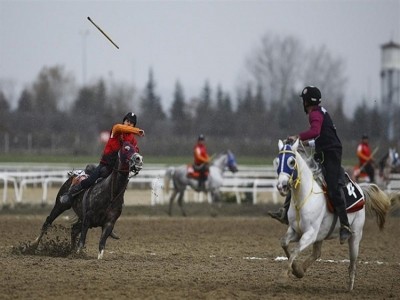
(180, 179)
(310, 220)
(100, 205)
(389, 163)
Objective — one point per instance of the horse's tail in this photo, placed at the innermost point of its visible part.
(377, 202)
(167, 177)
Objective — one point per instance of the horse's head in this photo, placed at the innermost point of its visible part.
(231, 162)
(130, 160)
(286, 166)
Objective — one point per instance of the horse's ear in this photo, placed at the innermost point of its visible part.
(295, 144)
(280, 145)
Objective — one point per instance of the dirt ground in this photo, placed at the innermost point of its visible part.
(235, 255)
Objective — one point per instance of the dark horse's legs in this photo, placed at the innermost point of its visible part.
(75, 231)
(57, 210)
(84, 230)
(106, 231)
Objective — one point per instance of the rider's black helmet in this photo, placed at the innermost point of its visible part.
(311, 95)
(201, 137)
(130, 116)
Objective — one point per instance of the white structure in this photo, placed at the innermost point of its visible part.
(390, 83)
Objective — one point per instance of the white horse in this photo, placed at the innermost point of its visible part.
(180, 179)
(310, 221)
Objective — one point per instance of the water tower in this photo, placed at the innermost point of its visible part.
(390, 83)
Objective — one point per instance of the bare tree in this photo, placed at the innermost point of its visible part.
(275, 66)
(281, 66)
(326, 72)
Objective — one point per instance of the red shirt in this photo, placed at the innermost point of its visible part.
(118, 134)
(363, 153)
(200, 154)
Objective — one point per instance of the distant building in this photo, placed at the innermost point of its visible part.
(390, 83)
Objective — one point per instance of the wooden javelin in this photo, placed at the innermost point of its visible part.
(112, 42)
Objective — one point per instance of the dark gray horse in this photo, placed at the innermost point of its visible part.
(100, 205)
(180, 179)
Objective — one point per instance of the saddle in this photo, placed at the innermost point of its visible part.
(195, 173)
(79, 175)
(355, 200)
(360, 175)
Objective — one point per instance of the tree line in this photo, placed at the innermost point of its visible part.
(53, 116)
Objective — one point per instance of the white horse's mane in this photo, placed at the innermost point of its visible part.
(314, 166)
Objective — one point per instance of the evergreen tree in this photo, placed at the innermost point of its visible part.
(223, 120)
(25, 102)
(204, 112)
(4, 111)
(180, 117)
(151, 110)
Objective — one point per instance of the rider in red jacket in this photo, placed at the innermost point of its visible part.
(119, 134)
(201, 160)
(365, 158)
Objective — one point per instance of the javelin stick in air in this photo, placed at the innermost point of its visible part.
(103, 32)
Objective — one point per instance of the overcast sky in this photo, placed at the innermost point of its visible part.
(189, 41)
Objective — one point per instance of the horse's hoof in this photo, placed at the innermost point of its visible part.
(297, 271)
(100, 256)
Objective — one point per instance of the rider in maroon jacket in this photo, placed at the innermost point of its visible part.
(119, 134)
(328, 151)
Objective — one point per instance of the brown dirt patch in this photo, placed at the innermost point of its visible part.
(199, 257)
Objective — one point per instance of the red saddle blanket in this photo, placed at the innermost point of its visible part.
(354, 197)
(192, 173)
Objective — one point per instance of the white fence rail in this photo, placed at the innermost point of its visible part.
(249, 179)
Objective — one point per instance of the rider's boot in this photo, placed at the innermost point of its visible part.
(201, 183)
(345, 231)
(282, 214)
(73, 190)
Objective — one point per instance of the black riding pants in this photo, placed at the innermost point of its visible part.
(332, 170)
(100, 171)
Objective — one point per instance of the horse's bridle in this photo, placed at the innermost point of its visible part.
(294, 178)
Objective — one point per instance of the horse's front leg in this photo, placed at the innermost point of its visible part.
(289, 237)
(308, 237)
(316, 253)
(105, 233)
